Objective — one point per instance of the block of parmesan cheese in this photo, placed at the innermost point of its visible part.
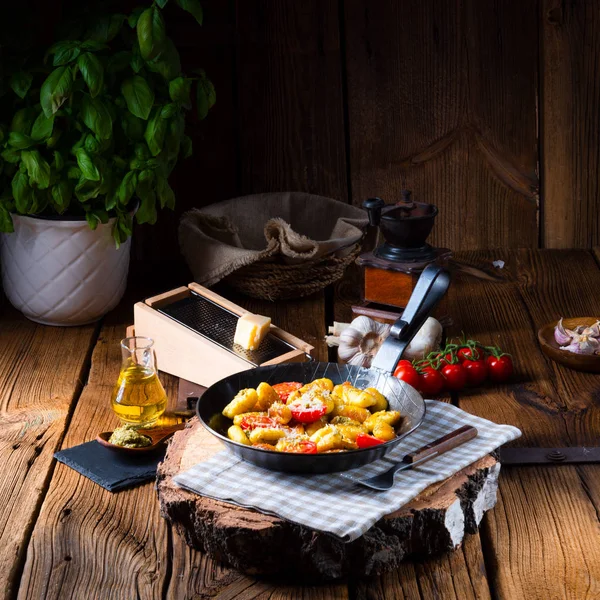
(251, 330)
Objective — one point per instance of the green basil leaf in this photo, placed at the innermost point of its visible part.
(205, 95)
(155, 133)
(137, 62)
(186, 146)
(132, 19)
(169, 110)
(92, 46)
(58, 163)
(179, 91)
(61, 48)
(96, 116)
(62, 192)
(11, 156)
(22, 193)
(42, 127)
(96, 216)
(87, 166)
(92, 72)
(139, 96)
(19, 141)
(92, 145)
(53, 139)
(73, 172)
(162, 3)
(164, 192)
(106, 28)
(151, 33)
(86, 189)
(126, 188)
(65, 55)
(146, 213)
(168, 63)
(22, 120)
(92, 220)
(20, 83)
(6, 222)
(133, 127)
(193, 7)
(56, 89)
(37, 168)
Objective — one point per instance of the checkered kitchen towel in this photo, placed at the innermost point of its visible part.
(333, 503)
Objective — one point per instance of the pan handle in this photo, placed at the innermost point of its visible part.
(430, 289)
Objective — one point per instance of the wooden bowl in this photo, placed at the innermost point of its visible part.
(579, 362)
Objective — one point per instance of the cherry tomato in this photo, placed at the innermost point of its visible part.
(476, 371)
(407, 373)
(500, 367)
(367, 441)
(431, 382)
(406, 363)
(307, 411)
(467, 354)
(254, 421)
(286, 388)
(455, 377)
(297, 446)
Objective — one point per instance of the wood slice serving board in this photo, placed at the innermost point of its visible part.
(254, 543)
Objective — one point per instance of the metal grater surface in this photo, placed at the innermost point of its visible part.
(218, 325)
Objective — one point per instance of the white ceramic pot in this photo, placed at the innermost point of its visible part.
(60, 272)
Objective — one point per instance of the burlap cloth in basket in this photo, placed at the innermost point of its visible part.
(288, 228)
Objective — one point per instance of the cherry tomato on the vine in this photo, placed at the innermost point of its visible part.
(500, 367)
(476, 371)
(407, 373)
(431, 382)
(455, 377)
(467, 354)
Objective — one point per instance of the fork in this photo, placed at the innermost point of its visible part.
(385, 480)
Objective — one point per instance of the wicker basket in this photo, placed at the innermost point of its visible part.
(270, 280)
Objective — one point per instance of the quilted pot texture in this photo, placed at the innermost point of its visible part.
(60, 272)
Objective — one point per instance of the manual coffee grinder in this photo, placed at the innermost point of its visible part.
(393, 268)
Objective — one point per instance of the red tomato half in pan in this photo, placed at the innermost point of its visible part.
(254, 421)
(286, 388)
(307, 411)
(297, 446)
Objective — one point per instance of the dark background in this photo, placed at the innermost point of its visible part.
(487, 108)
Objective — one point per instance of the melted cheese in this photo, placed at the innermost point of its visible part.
(251, 330)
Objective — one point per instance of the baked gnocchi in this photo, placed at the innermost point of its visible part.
(317, 417)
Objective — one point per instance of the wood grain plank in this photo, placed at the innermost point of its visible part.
(87, 540)
(425, 114)
(41, 373)
(542, 540)
(544, 535)
(456, 575)
(570, 133)
(290, 97)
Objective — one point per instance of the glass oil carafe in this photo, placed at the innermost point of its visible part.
(138, 397)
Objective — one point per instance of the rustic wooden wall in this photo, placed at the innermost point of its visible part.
(488, 108)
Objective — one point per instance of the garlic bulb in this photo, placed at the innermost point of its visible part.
(428, 338)
(581, 340)
(360, 341)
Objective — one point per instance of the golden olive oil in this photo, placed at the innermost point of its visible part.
(139, 396)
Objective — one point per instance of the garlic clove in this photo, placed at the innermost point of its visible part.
(560, 334)
(427, 339)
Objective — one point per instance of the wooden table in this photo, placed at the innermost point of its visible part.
(62, 536)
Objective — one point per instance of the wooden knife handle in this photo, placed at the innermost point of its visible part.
(443, 444)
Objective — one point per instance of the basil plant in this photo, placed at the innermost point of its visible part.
(98, 128)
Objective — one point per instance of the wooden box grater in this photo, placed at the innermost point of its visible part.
(193, 328)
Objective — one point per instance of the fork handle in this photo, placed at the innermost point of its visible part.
(443, 444)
